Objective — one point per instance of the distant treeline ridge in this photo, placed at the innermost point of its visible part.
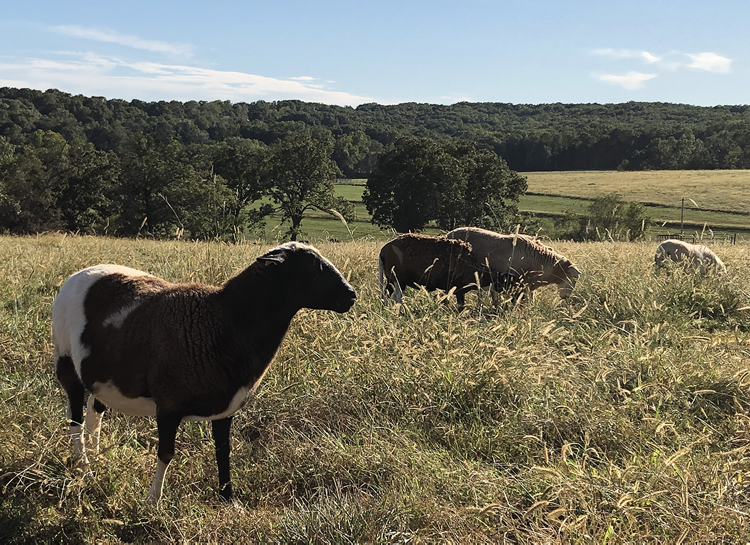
(629, 136)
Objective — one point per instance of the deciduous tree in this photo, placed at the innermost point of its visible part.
(410, 184)
(300, 178)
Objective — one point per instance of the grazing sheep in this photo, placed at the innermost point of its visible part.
(694, 257)
(144, 346)
(433, 262)
(525, 257)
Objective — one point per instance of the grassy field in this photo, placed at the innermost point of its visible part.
(621, 415)
(722, 198)
(556, 205)
(711, 189)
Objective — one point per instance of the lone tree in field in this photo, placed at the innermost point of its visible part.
(301, 174)
(408, 185)
(418, 181)
(487, 191)
(617, 219)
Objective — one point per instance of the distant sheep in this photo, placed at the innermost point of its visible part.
(144, 346)
(433, 262)
(694, 257)
(535, 264)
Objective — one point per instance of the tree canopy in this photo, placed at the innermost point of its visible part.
(300, 178)
(530, 137)
(418, 181)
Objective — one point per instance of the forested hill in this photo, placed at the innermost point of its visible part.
(632, 136)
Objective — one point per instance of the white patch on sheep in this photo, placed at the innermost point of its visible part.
(68, 313)
(93, 426)
(234, 405)
(79, 451)
(108, 394)
(116, 319)
(154, 491)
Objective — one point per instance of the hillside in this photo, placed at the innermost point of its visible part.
(633, 135)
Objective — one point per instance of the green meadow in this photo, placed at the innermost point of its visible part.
(715, 201)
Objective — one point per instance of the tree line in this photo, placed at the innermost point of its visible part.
(630, 136)
(218, 169)
(163, 188)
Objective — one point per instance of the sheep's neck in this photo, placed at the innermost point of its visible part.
(259, 317)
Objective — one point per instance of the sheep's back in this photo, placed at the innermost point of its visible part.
(410, 256)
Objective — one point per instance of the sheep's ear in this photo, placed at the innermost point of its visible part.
(273, 257)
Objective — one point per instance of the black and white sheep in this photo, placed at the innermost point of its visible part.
(144, 346)
(435, 263)
(694, 257)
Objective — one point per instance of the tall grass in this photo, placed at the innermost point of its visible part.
(621, 415)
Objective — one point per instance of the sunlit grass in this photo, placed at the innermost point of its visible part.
(709, 189)
(622, 414)
(555, 193)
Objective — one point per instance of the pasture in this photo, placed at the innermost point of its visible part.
(620, 415)
(720, 199)
(710, 189)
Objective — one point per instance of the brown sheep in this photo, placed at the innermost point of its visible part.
(535, 264)
(435, 263)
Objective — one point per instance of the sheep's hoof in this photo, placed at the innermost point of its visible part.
(83, 465)
(225, 493)
(151, 499)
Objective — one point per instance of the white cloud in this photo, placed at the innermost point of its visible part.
(304, 78)
(627, 54)
(711, 62)
(649, 57)
(614, 53)
(110, 36)
(91, 74)
(673, 60)
(631, 80)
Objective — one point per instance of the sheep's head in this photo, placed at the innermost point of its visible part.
(314, 280)
(568, 278)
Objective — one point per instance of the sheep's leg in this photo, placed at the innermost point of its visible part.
(382, 282)
(167, 426)
(66, 374)
(461, 298)
(398, 293)
(94, 412)
(494, 295)
(223, 445)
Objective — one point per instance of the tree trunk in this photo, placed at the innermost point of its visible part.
(294, 231)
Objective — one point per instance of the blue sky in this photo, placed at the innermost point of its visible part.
(349, 52)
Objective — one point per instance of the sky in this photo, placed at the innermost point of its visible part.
(350, 52)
